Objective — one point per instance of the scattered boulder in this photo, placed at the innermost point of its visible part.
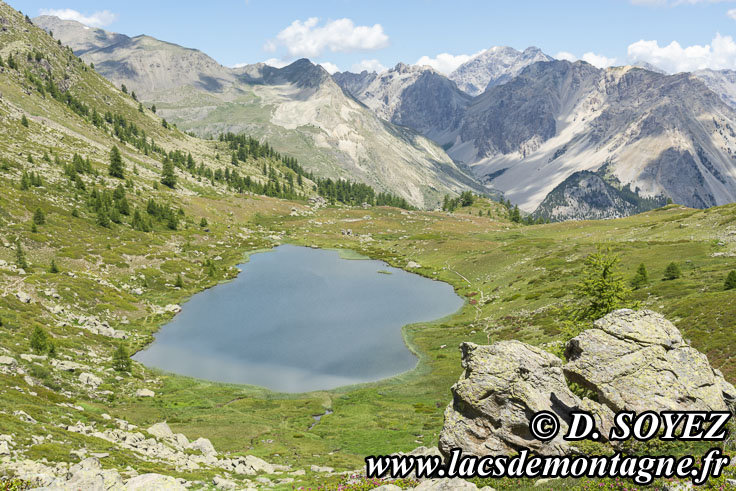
(222, 483)
(173, 308)
(31, 358)
(145, 393)
(24, 416)
(638, 361)
(89, 379)
(23, 297)
(444, 485)
(67, 366)
(4, 448)
(145, 482)
(89, 474)
(204, 446)
(9, 362)
(259, 465)
(161, 430)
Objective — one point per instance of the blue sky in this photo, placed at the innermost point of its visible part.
(350, 34)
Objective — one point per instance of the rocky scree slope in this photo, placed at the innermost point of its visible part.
(661, 135)
(722, 82)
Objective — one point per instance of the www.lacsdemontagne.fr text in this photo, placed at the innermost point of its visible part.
(642, 469)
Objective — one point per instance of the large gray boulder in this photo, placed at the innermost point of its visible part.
(445, 485)
(146, 482)
(631, 360)
(161, 430)
(88, 475)
(502, 387)
(638, 361)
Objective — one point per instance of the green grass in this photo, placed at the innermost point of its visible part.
(512, 277)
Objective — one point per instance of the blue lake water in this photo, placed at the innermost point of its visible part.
(299, 319)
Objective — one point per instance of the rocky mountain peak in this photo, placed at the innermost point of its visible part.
(494, 66)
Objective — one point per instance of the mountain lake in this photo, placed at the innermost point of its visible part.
(298, 319)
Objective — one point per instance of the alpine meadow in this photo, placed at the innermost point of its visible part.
(407, 260)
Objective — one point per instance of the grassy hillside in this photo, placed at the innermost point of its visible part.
(115, 282)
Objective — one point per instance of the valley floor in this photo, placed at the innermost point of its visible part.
(514, 278)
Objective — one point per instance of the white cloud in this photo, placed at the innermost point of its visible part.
(597, 60)
(308, 39)
(369, 66)
(594, 59)
(330, 67)
(673, 58)
(276, 62)
(565, 55)
(732, 14)
(445, 62)
(101, 18)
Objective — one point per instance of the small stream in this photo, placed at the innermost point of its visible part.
(319, 417)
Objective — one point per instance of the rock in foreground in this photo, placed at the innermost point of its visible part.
(633, 361)
(638, 361)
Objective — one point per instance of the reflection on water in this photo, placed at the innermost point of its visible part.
(299, 319)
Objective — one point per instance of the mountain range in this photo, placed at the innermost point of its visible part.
(299, 109)
(518, 122)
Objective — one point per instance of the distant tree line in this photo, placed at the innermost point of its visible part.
(290, 183)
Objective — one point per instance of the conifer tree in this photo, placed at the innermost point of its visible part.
(121, 360)
(39, 340)
(602, 286)
(24, 121)
(20, 256)
(38, 217)
(168, 176)
(641, 277)
(102, 219)
(54, 269)
(117, 168)
(672, 272)
(515, 214)
(730, 283)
